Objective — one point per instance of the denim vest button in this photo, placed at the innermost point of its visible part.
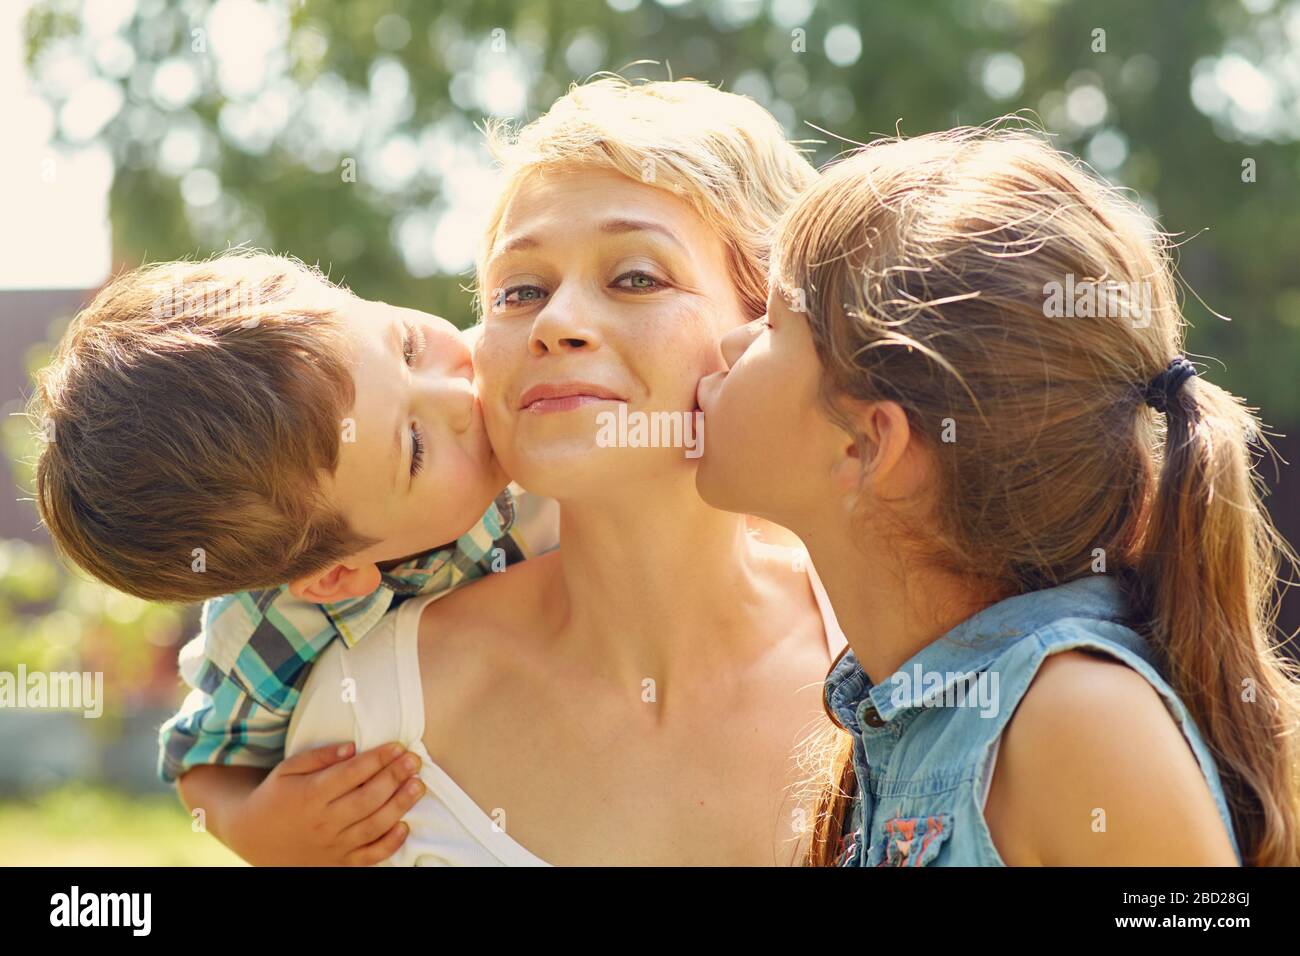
(871, 717)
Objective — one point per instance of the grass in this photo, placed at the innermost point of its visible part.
(85, 826)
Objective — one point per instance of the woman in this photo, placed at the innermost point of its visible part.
(1037, 525)
(638, 696)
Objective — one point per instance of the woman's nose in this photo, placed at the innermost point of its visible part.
(561, 327)
(735, 342)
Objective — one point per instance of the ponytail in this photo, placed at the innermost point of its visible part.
(928, 266)
(1205, 587)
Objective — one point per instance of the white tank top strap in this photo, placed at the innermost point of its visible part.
(835, 639)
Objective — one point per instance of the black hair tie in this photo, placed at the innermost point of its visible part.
(1162, 389)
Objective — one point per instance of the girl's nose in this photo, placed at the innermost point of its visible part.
(735, 342)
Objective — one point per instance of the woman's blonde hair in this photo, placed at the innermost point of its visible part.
(720, 152)
(994, 288)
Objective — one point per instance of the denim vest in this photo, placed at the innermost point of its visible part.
(924, 741)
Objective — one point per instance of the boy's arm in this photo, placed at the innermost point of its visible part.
(322, 807)
(227, 743)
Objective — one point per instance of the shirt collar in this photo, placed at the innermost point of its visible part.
(968, 648)
(354, 617)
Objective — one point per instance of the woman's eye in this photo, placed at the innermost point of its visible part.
(523, 295)
(638, 281)
(412, 343)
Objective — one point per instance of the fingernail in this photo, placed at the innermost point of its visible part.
(415, 788)
(392, 751)
(345, 750)
(411, 763)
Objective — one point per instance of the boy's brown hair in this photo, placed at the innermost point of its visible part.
(187, 417)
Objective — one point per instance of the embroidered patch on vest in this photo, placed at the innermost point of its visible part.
(915, 841)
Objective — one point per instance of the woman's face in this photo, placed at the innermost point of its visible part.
(598, 290)
(771, 449)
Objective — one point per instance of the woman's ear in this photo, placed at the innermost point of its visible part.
(887, 437)
(336, 583)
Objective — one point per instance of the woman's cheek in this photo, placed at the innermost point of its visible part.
(492, 368)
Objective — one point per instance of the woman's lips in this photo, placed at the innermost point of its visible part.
(566, 404)
(564, 397)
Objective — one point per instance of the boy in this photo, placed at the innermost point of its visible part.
(243, 432)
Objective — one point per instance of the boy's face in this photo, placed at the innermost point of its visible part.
(415, 466)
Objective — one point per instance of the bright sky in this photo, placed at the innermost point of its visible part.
(54, 204)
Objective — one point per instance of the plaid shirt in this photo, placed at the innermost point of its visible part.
(254, 652)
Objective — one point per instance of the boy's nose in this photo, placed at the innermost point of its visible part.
(450, 398)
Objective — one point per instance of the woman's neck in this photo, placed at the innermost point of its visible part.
(659, 584)
(888, 606)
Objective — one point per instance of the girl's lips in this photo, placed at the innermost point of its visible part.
(706, 388)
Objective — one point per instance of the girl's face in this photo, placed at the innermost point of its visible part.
(771, 450)
(599, 290)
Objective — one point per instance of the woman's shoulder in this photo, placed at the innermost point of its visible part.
(469, 639)
(350, 693)
(787, 565)
(493, 602)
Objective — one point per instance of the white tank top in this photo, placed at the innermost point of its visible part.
(447, 827)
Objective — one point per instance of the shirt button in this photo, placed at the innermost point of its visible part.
(871, 717)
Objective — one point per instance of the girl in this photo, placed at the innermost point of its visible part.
(1038, 527)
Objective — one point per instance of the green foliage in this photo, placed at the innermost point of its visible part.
(922, 66)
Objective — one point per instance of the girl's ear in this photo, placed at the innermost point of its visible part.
(336, 583)
(887, 436)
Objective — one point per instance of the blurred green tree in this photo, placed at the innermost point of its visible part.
(238, 121)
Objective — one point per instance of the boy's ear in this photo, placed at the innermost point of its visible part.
(336, 583)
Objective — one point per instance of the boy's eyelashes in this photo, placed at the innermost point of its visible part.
(417, 449)
(412, 342)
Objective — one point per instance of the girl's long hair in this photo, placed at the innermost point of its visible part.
(999, 292)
